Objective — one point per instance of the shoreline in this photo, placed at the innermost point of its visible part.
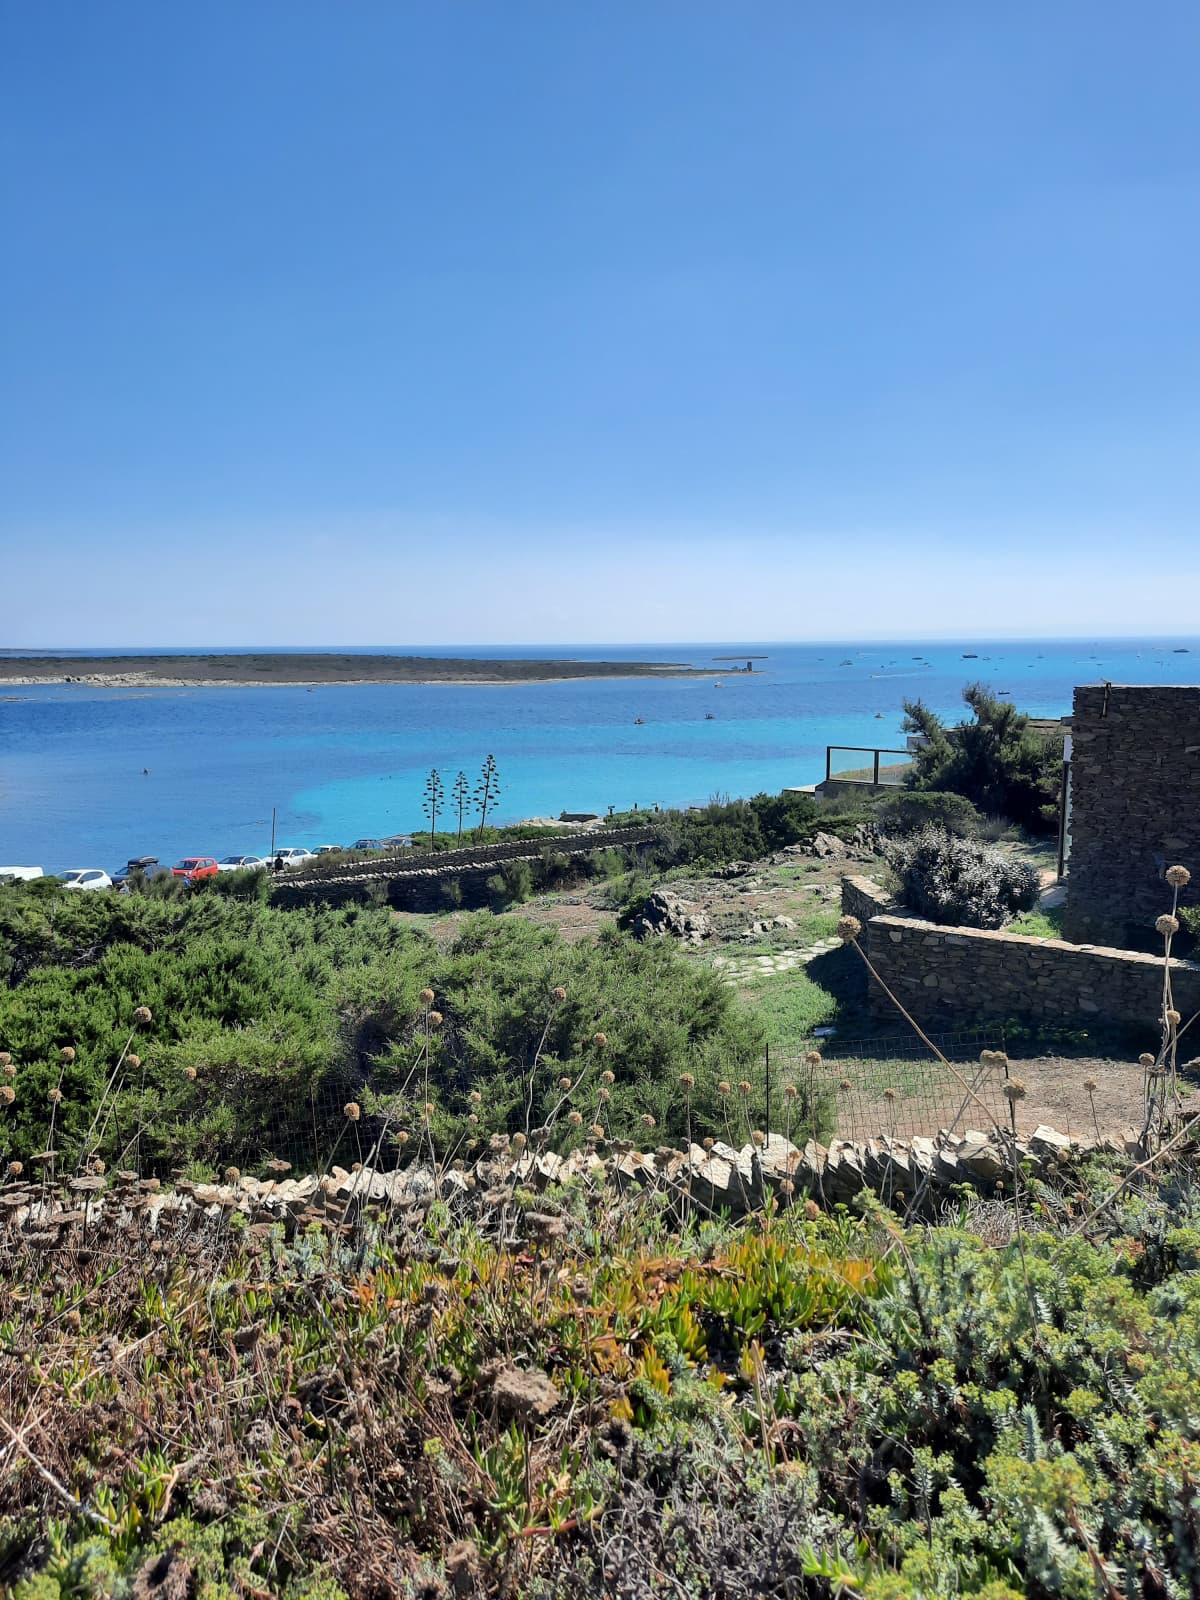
(305, 671)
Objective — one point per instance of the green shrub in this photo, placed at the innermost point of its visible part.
(997, 760)
(960, 881)
(910, 809)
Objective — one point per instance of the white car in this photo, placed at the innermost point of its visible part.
(294, 856)
(242, 864)
(19, 874)
(85, 878)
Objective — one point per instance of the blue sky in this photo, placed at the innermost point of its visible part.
(597, 322)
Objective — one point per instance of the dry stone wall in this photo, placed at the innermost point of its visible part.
(945, 975)
(1135, 809)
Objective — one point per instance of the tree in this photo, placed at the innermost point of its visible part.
(434, 795)
(460, 798)
(1000, 763)
(487, 791)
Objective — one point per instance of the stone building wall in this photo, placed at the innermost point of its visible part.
(1135, 809)
(864, 898)
(946, 975)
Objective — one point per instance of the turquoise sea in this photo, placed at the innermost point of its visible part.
(339, 762)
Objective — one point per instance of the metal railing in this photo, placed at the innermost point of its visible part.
(867, 750)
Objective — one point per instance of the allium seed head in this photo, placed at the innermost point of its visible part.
(724, 1087)
(558, 994)
(787, 1187)
(401, 1137)
(608, 1077)
(475, 1097)
(1173, 1017)
(190, 1074)
(1178, 877)
(133, 1061)
(889, 1094)
(429, 1108)
(812, 1210)
(1167, 925)
(812, 1058)
(1014, 1089)
(436, 1019)
(758, 1138)
(67, 1052)
(5, 1058)
(426, 997)
(709, 1142)
(353, 1110)
(472, 1118)
(143, 1014)
(1146, 1059)
(687, 1082)
(1090, 1085)
(848, 929)
(597, 1130)
(519, 1141)
(744, 1087)
(7, 1094)
(791, 1091)
(575, 1118)
(564, 1083)
(845, 1084)
(599, 1040)
(10, 1069)
(16, 1168)
(648, 1121)
(54, 1097)
(233, 1173)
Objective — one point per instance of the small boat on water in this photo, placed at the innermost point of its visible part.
(639, 722)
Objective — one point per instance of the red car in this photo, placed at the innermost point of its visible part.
(195, 867)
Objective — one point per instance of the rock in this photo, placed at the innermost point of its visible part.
(828, 847)
(526, 1395)
(783, 922)
(1044, 1141)
(666, 914)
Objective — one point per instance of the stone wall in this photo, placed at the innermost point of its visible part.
(946, 976)
(1135, 809)
(864, 898)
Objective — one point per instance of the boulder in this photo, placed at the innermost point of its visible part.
(665, 914)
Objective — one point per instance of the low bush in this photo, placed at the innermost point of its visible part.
(910, 809)
(960, 881)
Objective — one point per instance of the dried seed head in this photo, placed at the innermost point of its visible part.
(143, 1014)
(428, 1108)
(233, 1173)
(1014, 1089)
(5, 1058)
(1146, 1059)
(133, 1061)
(1173, 1017)
(845, 1084)
(812, 1210)
(791, 1091)
(564, 1083)
(190, 1074)
(9, 1068)
(724, 1087)
(812, 1058)
(1167, 925)
(472, 1118)
(848, 929)
(787, 1187)
(648, 1121)
(54, 1097)
(1178, 877)
(436, 1019)
(475, 1097)
(575, 1118)
(7, 1094)
(353, 1110)
(603, 1096)
(596, 1130)
(687, 1082)
(599, 1040)
(426, 997)
(15, 1169)
(889, 1094)
(709, 1143)
(401, 1137)
(758, 1139)
(744, 1087)
(1090, 1085)
(608, 1077)
(519, 1141)
(558, 994)
(67, 1052)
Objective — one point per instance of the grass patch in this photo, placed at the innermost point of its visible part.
(789, 1005)
(1039, 924)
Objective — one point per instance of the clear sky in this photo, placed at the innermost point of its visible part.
(581, 320)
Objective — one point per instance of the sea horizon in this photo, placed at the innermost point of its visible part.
(92, 776)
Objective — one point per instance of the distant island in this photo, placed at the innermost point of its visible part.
(311, 670)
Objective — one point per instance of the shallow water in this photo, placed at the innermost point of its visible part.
(338, 762)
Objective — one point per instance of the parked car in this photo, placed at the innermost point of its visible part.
(293, 856)
(144, 867)
(330, 849)
(19, 874)
(242, 864)
(397, 841)
(85, 878)
(367, 844)
(193, 868)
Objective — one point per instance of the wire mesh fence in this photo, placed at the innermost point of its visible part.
(862, 1088)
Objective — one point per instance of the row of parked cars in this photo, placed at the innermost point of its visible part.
(194, 869)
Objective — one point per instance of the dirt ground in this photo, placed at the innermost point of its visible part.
(924, 1096)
